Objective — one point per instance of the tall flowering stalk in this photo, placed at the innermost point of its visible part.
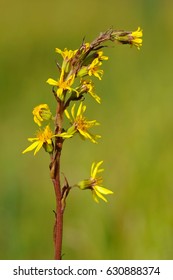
(74, 82)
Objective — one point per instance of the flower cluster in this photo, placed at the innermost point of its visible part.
(74, 81)
(75, 65)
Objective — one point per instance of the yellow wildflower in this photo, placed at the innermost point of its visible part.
(137, 38)
(79, 124)
(129, 37)
(43, 138)
(67, 57)
(93, 69)
(87, 86)
(101, 56)
(66, 54)
(41, 113)
(62, 84)
(94, 183)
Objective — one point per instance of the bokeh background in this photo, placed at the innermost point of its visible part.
(136, 119)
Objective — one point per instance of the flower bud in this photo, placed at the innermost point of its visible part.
(48, 147)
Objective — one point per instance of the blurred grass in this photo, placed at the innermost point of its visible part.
(136, 127)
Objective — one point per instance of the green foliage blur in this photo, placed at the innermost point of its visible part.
(136, 117)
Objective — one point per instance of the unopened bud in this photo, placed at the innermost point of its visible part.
(48, 147)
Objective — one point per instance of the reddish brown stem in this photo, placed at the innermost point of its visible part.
(58, 227)
(55, 175)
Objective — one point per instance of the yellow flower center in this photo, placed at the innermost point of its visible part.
(46, 135)
(81, 123)
(96, 181)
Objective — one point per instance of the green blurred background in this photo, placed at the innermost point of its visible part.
(136, 119)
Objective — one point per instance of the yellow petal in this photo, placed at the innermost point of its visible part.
(92, 168)
(95, 197)
(102, 190)
(37, 120)
(58, 50)
(101, 196)
(67, 115)
(79, 110)
(31, 147)
(96, 168)
(40, 144)
(72, 111)
(52, 82)
(33, 139)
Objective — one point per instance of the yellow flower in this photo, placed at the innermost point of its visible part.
(137, 38)
(67, 57)
(97, 190)
(88, 87)
(62, 84)
(101, 56)
(93, 69)
(85, 47)
(94, 183)
(43, 138)
(41, 113)
(66, 54)
(129, 37)
(80, 124)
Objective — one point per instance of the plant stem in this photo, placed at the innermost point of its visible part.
(55, 175)
(58, 227)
